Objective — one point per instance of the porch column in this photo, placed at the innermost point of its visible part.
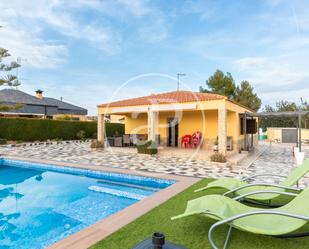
(153, 118)
(222, 130)
(101, 128)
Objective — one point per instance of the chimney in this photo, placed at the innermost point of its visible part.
(39, 94)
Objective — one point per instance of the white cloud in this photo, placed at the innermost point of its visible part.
(25, 21)
(154, 32)
(136, 7)
(275, 75)
(37, 52)
(63, 17)
(250, 62)
(204, 9)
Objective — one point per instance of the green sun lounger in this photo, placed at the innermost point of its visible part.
(279, 222)
(241, 187)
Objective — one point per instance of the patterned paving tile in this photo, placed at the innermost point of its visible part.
(274, 160)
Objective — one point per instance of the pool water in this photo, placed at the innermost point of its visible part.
(40, 206)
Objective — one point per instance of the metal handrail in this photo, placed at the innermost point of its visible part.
(258, 175)
(239, 198)
(239, 216)
(260, 184)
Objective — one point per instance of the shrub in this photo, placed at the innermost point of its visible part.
(3, 141)
(113, 129)
(64, 117)
(27, 129)
(218, 157)
(81, 135)
(148, 147)
(95, 144)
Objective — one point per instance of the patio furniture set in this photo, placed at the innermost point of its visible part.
(194, 140)
(229, 144)
(126, 140)
(186, 141)
(272, 219)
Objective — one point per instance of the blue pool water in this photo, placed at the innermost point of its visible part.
(42, 204)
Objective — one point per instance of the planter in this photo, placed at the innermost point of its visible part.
(300, 156)
(296, 151)
(218, 164)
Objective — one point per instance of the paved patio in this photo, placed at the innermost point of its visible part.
(274, 159)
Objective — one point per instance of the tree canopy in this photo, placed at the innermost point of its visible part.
(220, 83)
(244, 95)
(283, 106)
(5, 77)
(224, 84)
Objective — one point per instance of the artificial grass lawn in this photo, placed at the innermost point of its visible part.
(190, 232)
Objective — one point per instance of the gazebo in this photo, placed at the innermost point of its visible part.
(288, 114)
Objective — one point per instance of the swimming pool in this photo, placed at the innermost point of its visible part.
(42, 203)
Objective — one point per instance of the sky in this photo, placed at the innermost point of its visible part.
(95, 51)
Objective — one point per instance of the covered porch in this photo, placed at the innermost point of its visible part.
(220, 127)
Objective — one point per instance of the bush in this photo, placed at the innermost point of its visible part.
(28, 129)
(95, 144)
(64, 117)
(114, 129)
(81, 135)
(3, 141)
(148, 147)
(218, 157)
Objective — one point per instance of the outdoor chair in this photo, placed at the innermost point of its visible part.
(118, 141)
(126, 140)
(186, 141)
(238, 187)
(158, 139)
(196, 138)
(229, 143)
(110, 141)
(279, 222)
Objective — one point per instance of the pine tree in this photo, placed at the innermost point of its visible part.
(224, 84)
(7, 79)
(220, 83)
(244, 95)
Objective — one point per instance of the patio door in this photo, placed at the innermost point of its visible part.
(172, 136)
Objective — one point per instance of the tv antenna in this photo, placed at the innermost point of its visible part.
(178, 75)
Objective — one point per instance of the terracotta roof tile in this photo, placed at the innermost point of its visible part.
(165, 98)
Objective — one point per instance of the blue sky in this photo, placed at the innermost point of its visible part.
(93, 51)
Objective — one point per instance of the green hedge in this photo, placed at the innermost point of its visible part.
(148, 147)
(26, 129)
(113, 129)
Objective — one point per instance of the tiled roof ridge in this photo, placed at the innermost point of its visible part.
(165, 98)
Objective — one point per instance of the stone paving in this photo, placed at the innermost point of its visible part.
(275, 159)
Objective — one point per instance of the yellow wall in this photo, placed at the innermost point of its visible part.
(117, 119)
(276, 134)
(190, 122)
(136, 123)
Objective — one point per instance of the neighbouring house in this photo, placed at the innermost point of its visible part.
(38, 106)
(167, 117)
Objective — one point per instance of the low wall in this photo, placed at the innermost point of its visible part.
(275, 133)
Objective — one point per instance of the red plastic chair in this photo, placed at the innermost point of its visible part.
(186, 141)
(196, 138)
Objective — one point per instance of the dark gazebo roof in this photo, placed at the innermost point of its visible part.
(287, 114)
(278, 114)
